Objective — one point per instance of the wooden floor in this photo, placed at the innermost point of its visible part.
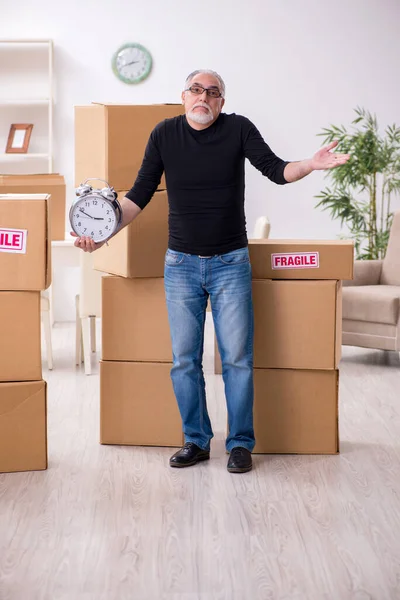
(116, 523)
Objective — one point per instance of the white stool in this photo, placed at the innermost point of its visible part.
(45, 316)
(88, 307)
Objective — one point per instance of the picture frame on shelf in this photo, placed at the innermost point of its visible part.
(18, 138)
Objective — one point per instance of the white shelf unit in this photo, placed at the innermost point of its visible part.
(26, 96)
(23, 102)
(12, 157)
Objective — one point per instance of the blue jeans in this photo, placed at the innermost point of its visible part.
(226, 279)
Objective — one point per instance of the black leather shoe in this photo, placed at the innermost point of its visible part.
(189, 455)
(239, 460)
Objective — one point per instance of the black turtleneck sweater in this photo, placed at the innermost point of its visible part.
(204, 172)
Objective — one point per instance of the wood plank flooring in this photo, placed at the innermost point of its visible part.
(116, 523)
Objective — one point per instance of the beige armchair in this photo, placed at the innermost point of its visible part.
(371, 301)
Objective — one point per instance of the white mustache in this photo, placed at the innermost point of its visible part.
(201, 105)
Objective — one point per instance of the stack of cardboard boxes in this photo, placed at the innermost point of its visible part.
(137, 403)
(136, 395)
(51, 184)
(297, 343)
(24, 271)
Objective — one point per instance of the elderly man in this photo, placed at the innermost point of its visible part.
(203, 154)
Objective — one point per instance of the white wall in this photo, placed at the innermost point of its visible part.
(293, 67)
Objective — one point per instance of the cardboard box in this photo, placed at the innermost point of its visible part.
(25, 245)
(297, 325)
(52, 184)
(135, 320)
(139, 249)
(110, 140)
(138, 405)
(20, 349)
(296, 411)
(301, 259)
(23, 440)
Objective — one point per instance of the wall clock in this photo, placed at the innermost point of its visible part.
(131, 63)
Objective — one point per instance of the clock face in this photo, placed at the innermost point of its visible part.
(93, 216)
(132, 63)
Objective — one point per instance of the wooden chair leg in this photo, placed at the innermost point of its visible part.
(93, 333)
(86, 344)
(47, 337)
(78, 334)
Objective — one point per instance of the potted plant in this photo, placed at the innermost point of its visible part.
(362, 188)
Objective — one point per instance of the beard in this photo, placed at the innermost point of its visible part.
(201, 117)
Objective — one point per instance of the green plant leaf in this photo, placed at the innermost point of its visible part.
(371, 155)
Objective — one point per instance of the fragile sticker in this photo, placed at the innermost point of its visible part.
(295, 260)
(13, 240)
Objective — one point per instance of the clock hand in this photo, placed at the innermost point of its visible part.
(133, 62)
(86, 214)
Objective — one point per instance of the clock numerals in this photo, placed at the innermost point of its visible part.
(95, 215)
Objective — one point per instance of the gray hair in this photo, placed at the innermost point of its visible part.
(206, 72)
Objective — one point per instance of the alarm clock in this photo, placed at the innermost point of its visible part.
(96, 213)
(131, 63)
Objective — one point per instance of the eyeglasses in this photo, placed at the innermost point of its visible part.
(197, 90)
